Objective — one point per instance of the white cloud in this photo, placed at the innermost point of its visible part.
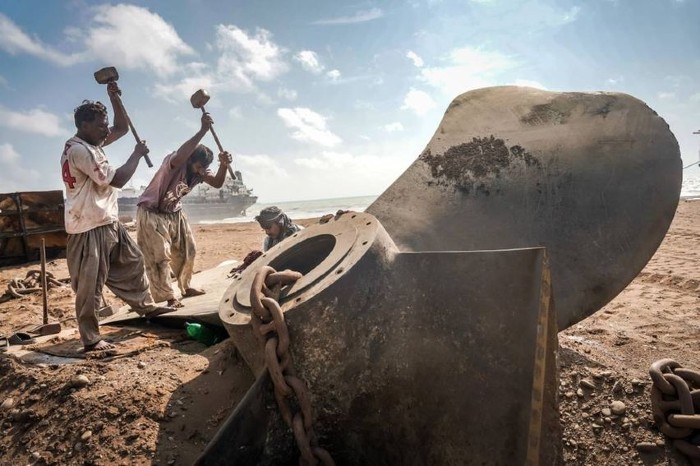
(530, 83)
(189, 123)
(18, 178)
(364, 105)
(334, 75)
(15, 41)
(546, 14)
(36, 121)
(260, 166)
(235, 112)
(571, 15)
(677, 81)
(359, 17)
(333, 161)
(467, 68)
(418, 101)
(174, 92)
(666, 95)
(309, 61)
(132, 37)
(392, 127)
(339, 172)
(289, 94)
(315, 174)
(615, 80)
(126, 36)
(695, 97)
(308, 126)
(417, 61)
(8, 154)
(246, 58)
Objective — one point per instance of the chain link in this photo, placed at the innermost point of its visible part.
(675, 404)
(270, 328)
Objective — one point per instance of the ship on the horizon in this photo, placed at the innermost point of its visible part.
(202, 203)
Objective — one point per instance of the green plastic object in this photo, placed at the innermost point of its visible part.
(201, 333)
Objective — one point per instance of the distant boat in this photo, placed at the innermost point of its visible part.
(202, 203)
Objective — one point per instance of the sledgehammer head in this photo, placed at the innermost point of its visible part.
(106, 75)
(199, 99)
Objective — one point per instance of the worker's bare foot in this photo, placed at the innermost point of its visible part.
(158, 311)
(189, 292)
(174, 303)
(101, 345)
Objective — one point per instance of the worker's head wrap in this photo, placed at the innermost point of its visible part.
(271, 215)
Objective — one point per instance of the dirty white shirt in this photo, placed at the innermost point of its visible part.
(90, 200)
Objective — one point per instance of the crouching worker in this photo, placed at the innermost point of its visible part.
(163, 232)
(100, 251)
(277, 226)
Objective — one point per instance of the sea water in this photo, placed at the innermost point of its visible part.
(690, 189)
(305, 209)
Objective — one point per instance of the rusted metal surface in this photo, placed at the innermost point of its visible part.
(291, 392)
(26, 218)
(675, 404)
(593, 177)
(410, 358)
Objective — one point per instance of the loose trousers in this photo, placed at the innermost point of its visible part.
(105, 255)
(168, 247)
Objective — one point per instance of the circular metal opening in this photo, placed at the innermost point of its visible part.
(306, 255)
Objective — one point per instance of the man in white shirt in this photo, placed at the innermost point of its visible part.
(100, 251)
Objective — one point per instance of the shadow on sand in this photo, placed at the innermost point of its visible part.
(198, 408)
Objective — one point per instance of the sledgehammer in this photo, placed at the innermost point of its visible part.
(108, 75)
(199, 100)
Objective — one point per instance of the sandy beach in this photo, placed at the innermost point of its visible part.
(162, 405)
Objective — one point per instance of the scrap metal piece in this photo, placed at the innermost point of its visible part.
(593, 177)
(410, 358)
(26, 218)
(203, 309)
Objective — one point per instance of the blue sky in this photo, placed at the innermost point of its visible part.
(320, 99)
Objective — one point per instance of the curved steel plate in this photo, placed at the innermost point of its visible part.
(594, 177)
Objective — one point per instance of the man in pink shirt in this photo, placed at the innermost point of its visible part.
(163, 232)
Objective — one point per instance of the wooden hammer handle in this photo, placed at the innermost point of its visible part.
(133, 130)
(221, 148)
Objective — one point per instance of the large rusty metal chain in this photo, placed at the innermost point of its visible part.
(291, 392)
(675, 404)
